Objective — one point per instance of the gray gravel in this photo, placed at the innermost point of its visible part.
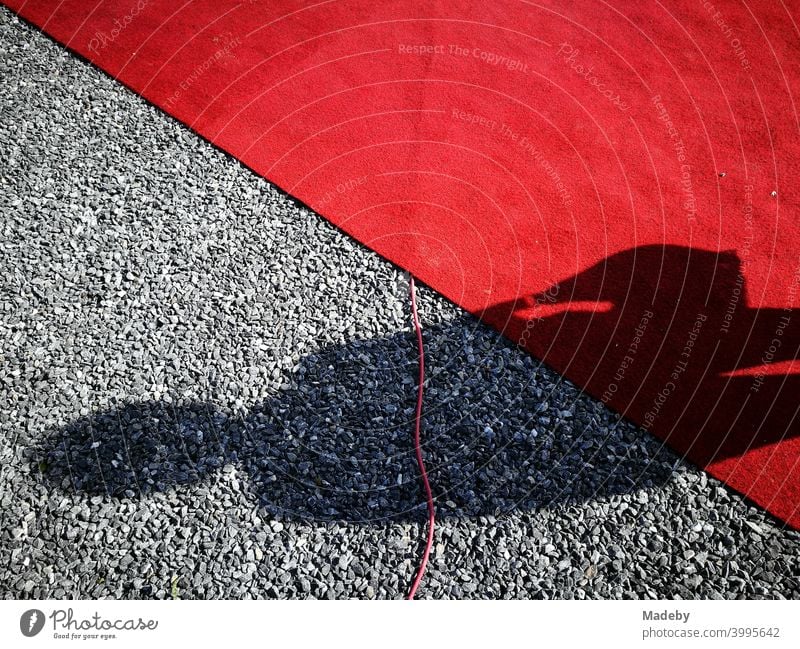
(207, 391)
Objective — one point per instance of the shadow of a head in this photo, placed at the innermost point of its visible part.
(668, 335)
(137, 449)
(335, 443)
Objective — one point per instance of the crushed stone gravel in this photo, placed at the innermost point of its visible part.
(207, 391)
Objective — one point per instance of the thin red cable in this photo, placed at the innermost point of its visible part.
(418, 446)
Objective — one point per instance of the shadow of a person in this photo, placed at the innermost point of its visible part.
(335, 442)
(665, 335)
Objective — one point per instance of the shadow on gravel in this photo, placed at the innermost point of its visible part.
(717, 374)
(335, 443)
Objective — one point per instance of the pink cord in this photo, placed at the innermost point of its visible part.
(418, 448)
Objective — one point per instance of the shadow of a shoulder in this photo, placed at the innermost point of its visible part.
(500, 434)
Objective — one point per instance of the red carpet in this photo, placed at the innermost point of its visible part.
(613, 185)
